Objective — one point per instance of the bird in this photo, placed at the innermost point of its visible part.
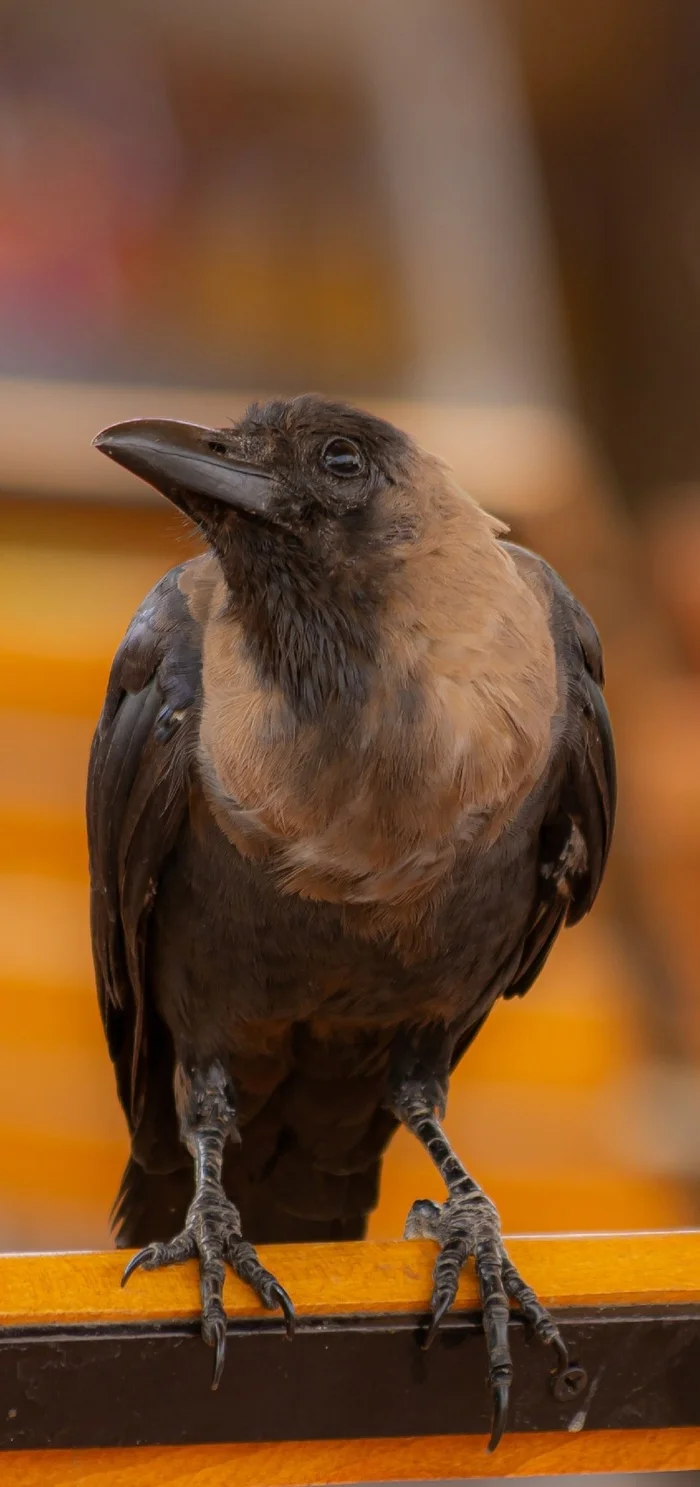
(353, 773)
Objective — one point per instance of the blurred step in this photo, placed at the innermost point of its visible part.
(59, 1189)
(34, 843)
(44, 931)
(48, 1016)
(62, 616)
(662, 778)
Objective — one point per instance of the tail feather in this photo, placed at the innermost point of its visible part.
(150, 1206)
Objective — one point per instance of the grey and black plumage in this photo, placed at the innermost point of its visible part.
(353, 774)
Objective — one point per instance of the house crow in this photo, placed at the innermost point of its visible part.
(353, 774)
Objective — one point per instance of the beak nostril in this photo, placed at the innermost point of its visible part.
(216, 447)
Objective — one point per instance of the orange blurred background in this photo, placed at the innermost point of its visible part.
(484, 219)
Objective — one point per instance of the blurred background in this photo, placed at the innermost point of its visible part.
(482, 218)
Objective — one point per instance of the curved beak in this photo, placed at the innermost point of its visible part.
(190, 465)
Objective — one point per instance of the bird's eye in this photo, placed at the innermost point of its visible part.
(342, 457)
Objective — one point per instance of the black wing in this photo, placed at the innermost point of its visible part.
(578, 824)
(138, 780)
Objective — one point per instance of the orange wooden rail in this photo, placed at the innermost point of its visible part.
(595, 1277)
(388, 1276)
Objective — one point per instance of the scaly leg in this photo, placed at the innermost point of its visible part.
(212, 1229)
(467, 1225)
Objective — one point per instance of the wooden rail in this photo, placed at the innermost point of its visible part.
(100, 1385)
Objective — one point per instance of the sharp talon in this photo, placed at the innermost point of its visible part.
(285, 1304)
(438, 1312)
(562, 1352)
(569, 1384)
(135, 1263)
(219, 1353)
(499, 1420)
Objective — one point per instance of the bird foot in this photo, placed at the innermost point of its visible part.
(467, 1226)
(212, 1234)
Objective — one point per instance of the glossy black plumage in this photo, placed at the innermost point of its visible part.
(200, 952)
(154, 874)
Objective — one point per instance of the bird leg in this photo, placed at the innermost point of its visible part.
(212, 1229)
(467, 1225)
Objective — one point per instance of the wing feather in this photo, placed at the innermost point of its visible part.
(576, 832)
(138, 782)
(578, 825)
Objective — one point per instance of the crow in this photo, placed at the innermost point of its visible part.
(353, 773)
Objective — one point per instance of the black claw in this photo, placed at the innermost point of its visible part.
(438, 1312)
(135, 1263)
(499, 1419)
(219, 1330)
(286, 1305)
(214, 1335)
(556, 1341)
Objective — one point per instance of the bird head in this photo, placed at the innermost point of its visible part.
(309, 506)
(308, 472)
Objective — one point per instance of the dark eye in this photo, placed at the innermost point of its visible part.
(342, 457)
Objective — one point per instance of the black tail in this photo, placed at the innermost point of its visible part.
(150, 1206)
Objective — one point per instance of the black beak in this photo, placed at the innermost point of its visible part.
(189, 465)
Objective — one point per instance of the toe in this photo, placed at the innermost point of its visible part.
(243, 1257)
(156, 1255)
(448, 1268)
(423, 1220)
(496, 1315)
(566, 1384)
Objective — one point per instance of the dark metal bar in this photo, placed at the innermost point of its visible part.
(341, 1378)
